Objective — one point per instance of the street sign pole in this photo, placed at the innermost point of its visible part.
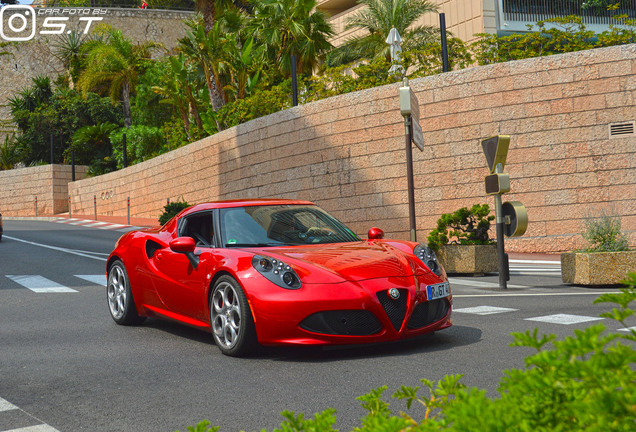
(409, 175)
(410, 110)
(503, 266)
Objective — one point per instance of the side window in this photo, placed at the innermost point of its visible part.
(198, 226)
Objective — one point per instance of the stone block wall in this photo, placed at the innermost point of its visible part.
(346, 153)
(49, 183)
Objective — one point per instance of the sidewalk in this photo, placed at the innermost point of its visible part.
(121, 220)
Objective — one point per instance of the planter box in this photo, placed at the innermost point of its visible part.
(599, 268)
(468, 259)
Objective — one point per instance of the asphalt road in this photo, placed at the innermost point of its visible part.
(66, 366)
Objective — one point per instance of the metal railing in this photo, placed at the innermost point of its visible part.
(180, 5)
(540, 10)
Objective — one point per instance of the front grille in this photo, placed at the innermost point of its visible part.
(427, 313)
(394, 308)
(342, 322)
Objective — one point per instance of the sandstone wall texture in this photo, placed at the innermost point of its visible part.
(25, 59)
(45, 186)
(346, 153)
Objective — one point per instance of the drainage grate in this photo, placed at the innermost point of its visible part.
(618, 130)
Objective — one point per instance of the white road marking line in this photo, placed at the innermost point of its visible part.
(479, 284)
(96, 279)
(112, 226)
(535, 294)
(80, 222)
(484, 310)
(40, 284)
(565, 319)
(5, 405)
(37, 428)
(130, 228)
(96, 224)
(532, 262)
(628, 329)
(84, 254)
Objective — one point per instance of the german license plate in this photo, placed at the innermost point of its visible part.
(437, 291)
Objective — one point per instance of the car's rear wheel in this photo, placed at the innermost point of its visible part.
(120, 300)
(231, 318)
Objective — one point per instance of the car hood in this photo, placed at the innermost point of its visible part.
(333, 263)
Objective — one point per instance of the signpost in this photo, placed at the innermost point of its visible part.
(410, 110)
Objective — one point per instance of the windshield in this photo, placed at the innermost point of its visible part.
(281, 225)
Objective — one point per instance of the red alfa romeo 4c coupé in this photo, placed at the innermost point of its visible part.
(276, 272)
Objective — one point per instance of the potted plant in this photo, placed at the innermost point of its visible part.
(606, 261)
(462, 243)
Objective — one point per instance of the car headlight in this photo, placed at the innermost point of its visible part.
(276, 271)
(428, 257)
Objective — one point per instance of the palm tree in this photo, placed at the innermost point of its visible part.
(377, 19)
(179, 89)
(207, 51)
(68, 50)
(114, 65)
(292, 27)
(210, 9)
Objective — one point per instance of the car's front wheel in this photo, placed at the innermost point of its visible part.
(231, 318)
(120, 300)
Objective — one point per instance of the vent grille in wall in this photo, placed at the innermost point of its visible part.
(618, 130)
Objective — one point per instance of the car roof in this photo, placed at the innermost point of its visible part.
(246, 203)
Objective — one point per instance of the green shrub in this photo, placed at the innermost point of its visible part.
(604, 234)
(170, 210)
(465, 226)
(585, 382)
(142, 143)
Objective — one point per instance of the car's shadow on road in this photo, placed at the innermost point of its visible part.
(440, 341)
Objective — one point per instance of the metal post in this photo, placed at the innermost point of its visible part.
(69, 207)
(95, 206)
(124, 150)
(502, 257)
(294, 82)
(442, 27)
(51, 149)
(36, 206)
(409, 175)
(72, 165)
(128, 212)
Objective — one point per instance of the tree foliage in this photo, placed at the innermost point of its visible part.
(552, 36)
(377, 20)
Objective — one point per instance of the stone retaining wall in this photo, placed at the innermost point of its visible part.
(47, 184)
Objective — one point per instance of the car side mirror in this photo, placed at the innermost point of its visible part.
(185, 245)
(376, 234)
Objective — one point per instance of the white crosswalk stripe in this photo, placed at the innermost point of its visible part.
(40, 284)
(96, 279)
(484, 310)
(6, 406)
(36, 428)
(565, 319)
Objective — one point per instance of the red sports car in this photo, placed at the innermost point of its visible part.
(276, 272)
